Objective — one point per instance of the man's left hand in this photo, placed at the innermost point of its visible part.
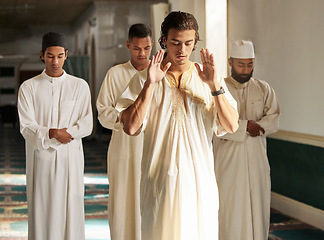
(208, 74)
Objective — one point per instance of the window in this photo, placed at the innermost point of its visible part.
(7, 71)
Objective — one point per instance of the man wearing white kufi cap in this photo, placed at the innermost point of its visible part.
(241, 163)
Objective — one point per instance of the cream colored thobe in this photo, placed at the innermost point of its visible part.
(179, 196)
(54, 171)
(124, 158)
(241, 164)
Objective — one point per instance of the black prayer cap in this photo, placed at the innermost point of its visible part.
(51, 39)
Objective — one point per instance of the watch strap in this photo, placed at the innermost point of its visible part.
(220, 91)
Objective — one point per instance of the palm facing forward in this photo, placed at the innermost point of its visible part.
(208, 74)
(155, 73)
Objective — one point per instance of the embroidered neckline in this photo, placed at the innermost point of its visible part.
(183, 79)
(178, 96)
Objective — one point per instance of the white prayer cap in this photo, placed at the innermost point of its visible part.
(242, 49)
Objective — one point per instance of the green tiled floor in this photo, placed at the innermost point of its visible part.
(285, 228)
(299, 234)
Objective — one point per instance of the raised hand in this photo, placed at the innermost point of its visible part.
(155, 73)
(208, 73)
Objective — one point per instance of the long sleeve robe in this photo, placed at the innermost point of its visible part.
(54, 171)
(124, 158)
(241, 164)
(179, 196)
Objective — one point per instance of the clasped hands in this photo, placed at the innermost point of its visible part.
(61, 135)
(254, 129)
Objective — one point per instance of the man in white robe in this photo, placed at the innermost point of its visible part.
(124, 152)
(55, 114)
(178, 106)
(241, 163)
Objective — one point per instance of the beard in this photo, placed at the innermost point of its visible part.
(241, 78)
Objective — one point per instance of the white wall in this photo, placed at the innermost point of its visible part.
(288, 37)
(216, 32)
(158, 12)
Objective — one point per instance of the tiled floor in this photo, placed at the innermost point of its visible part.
(13, 207)
(285, 228)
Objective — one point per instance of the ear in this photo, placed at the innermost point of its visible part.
(127, 44)
(230, 62)
(164, 40)
(41, 55)
(66, 53)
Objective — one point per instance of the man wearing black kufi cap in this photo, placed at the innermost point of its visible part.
(55, 114)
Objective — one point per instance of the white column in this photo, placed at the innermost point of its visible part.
(216, 32)
(158, 12)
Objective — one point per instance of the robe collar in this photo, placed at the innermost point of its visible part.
(184, 77)
(51, 79)
(130, 64)
(238, 85)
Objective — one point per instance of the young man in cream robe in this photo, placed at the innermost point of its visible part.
(178, 106)
(241, 163)
(55, 114)
(124, 152)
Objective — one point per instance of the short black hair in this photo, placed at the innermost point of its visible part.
(139, 30)
(179, 21)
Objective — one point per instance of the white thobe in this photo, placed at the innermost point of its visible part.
(124, 158)
(179, 196)
(54, 171)
(241, 164)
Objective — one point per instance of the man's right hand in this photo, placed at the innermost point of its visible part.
(61, 135)
(155, 73)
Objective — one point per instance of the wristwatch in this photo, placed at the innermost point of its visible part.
(220, 91)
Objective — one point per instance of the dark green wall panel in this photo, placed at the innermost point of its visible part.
(297, 171)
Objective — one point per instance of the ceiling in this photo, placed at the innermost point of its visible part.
(17, 16)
